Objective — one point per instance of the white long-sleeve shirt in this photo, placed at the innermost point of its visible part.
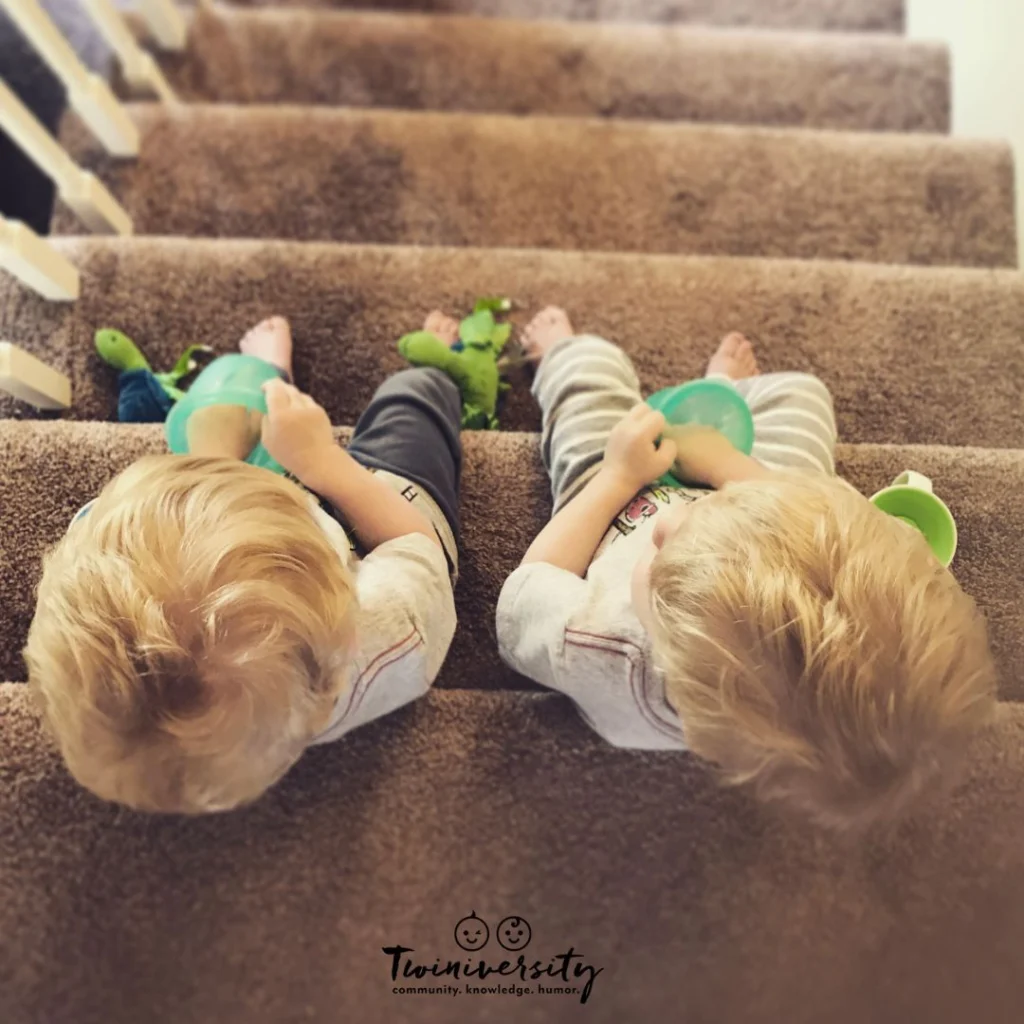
(582, 637)
(405, 626)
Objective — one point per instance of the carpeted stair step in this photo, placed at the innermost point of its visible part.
(913, 355)
(467, 179)
(844, 15)
(52, 469)
(503, 804)
(548, 67)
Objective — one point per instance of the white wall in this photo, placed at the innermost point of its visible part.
(987, 42)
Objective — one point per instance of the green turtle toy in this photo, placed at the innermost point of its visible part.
(474, 362)
(143, 396)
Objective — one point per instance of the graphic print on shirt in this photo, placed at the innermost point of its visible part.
(645, 505)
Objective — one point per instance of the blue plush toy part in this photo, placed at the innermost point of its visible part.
(141, 398)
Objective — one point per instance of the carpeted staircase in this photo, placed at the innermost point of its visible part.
(774, 166)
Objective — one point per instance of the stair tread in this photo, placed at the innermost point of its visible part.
(469, 179)
(505, 804)
(915, 355)
(436, 62)
(53, 468)
(845, 15)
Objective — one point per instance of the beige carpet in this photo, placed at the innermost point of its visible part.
(696, 906)
(908, 352)
(315, 173)
(875, 83)
(366, 170)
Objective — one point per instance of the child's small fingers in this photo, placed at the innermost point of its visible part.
(667, 453)
(278, 395)
(282, 386)
(652, 424)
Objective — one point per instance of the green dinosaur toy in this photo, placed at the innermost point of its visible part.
(474, 362)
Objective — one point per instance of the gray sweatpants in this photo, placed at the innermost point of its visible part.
(585, 385)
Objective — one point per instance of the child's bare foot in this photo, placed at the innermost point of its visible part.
(442, 326)
(270, 340)
(734, 358)
(546, 329)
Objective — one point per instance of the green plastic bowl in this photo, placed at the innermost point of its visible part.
(925, 512)
(233, 379)
(710, 403)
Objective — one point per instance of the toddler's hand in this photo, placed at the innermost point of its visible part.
(296, 431)
(704, 456)
(633, 455)
(701, 454)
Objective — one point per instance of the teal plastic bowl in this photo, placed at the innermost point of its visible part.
(233, 379)
(710, 403)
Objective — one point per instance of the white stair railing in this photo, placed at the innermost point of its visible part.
(79, 189)
(35, 263)
(166, 23)
(139, 69)
(88, 94)
(31, 380)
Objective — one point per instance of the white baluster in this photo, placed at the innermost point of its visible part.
(82, 191)
(140, 70)
(166, 23)
(88, 94)
(31, 380)
(36, 263)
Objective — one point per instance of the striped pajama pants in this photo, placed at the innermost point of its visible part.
(585, 385)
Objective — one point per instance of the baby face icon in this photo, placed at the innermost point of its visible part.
(514, 934)
(472, 933)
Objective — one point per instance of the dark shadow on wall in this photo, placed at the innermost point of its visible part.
(25, 193)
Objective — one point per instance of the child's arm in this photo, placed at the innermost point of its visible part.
(375, 511)
(704, 456)
(631, 462)
(297, 433)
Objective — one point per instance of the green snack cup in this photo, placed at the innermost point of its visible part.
(707, 403)
(911, 500)
(233, 379)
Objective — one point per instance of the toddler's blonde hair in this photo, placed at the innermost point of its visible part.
(191, 634)
(816, 650)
